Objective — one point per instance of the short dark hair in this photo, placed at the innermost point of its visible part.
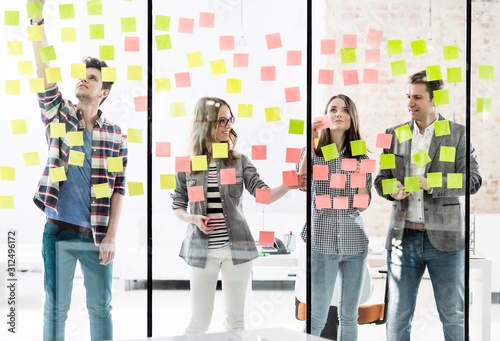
(430, 86)
(91, 62)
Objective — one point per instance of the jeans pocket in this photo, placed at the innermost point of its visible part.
(52, 230)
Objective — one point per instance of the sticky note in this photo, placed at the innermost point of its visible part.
(7, 173)
(384, 141)
(325, 77)
(374, 37)
(25, 68)
(350, 77)
(370, 76)
(199, 163)
(450, 52)
(57, 130)
(34, 9)
(107, 52)
(454, 74)
(141, 103)
(486, 72)
(134, 72)
(418, 47)
(240, 60)
(358, 180)
(76, 158)
(163, 84)
(454, 180)
(483, 105)
(330, 152)
(263, 195)
(268, 73)
(266, 238)
(108, 74)
(220, 150)
(389, 186)
(387, 161)
(34, 33)
(134, 135)
(358, 147)
(403, 133)
(349, 164)
(6, 201)
(394, 47)
(36, 85)
(360, 200)
(348, 55)
(320, 172)
(412, 184)
(11, 18)
(194, 59)
(421, 158)
(218, 67)
(349, 41)
(292, 94)
(233, 86)
(66, 11)
(273, 41)
(324, 121)
(94, 7)
(182, 164)
(57, 174)
(196, 193)
(259, 152)
(398, 67)
(18, 127)
(227, 176)
(226, 43)
(327, 46)
(178, 109)
(441, 97)
(447, 154)
(96, 31)
(186, 25)
(441, 127)
(272, 114)
(163, 42)
(323, 201)
(294, 58)
(78, 70)
(167, 181)
(338, 180)
(115, 164)
(372, 56)
(14, 48)
(135, 188)
(435, 179)
(340, 203)
(206, 19)
(162, 149)
(12, 87)
(293, 155)
(433, 72)
(68, 34)
(53, 75)
(75, 138)
(367, 166)
(162, 23)
(31, 159)
(290, 178)
(131, 44)
(296, 126)
(245, 110)
(182, 79)
(128, 25)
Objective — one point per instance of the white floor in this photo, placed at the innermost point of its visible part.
(171, 311)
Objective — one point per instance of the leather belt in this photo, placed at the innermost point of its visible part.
(414, 226)
(68, 226)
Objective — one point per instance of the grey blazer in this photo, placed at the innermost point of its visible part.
(443, 211)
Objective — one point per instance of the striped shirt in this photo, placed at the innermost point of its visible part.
(219, 236)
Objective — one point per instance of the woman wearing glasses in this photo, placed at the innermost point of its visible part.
(218, 238)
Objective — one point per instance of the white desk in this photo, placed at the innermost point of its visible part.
(484, 265)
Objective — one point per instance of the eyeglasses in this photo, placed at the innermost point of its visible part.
(224, 121)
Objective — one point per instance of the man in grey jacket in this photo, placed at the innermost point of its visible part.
(423, 174)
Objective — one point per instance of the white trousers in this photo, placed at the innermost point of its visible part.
(203, 286)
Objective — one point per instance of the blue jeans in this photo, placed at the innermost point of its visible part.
(60, 250)
(406, 266)
(324, 270)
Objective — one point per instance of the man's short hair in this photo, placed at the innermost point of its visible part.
(91, 62)
(430, 86)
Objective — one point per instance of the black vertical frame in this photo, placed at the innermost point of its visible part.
(149, 171)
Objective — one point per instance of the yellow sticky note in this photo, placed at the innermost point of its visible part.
(454, 74)
(418, 47)
(47, 53)
(233, 86)
(403, 133)
(450, 52)
(218, 67)
(53, 75)
(31, 159)
(390, 186)
(163, 84)
(57, 130)
(348, 55)
(57, 174)
(135, 188)
(412, 184)
(245, 110)
(101, 190)
(108, 74)
(447, 154)
(68, 34)
(11, 18)
(14, 48)
(387, 161)
(34, 33)
(421, 158)
(199, 163)
(107, 52)
(78, 70)
(115, 164)
(163, 42)
(134, 72)
(36, 85)
(433, 72)
(18, 127)
(441, 97)
(435, 180)
(34, 9)
(194, 59)
(162, 23)
(454, 180)
(486, 72)
(272, 114)
(128, 25)
(76, 158)
(94, 7)
(12, 87)
(96, 31)
(134, 135)
(167, 181)
(75, 138)
(398, 67)
(220, 150)
(394, 47)
(483, 105)
(330, 152)
(7, 173)
(66, 11)
(7, 201)
(178, 109)
(441, 127)
(25, 68)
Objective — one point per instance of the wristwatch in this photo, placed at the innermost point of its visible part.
(37, 23)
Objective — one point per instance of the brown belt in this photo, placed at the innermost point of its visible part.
(414, 226)
(67, 226)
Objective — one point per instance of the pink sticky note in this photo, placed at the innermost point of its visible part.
(294, 58)
(349, 164)
(182, 164)
(182, 79)
(340, 203)
(186, 25)
(226, 43)
(290, 178)
(263, 195)
(266, 238)
(349, 41)
(268, 73)
(273, 41)
(141, 103)
(372, 56)
(368, 166)
(325, 77)
(337, 180)
(374, 37)
(384, 141)
(324, 120)
(240, 60)
(360, 201)
(207, 19)
(132, 44)
(370, 76)
(163, 149)
(350, 77)
(259, 152)
(358, 180)
(293, 155)
(327, 46)
(227, 176)
(323, 201)
(196, 193)
(292, 94)
(320, 172)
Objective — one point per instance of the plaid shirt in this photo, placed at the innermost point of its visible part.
(107, 141)
(337, 231)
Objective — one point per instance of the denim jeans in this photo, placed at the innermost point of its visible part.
(60, 250)
(406, 266)
(324, 270)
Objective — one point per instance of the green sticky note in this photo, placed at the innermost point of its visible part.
(18, 127)
(199, 163)
(398, 68)
(101, 190)
(483, 105)
(134, 135)
(454, 180)
(34, 9)
(47, 53)
(167, 181)
(163, 42)
(96, 31)
(390, 186)
(245, 110)
(66, 11)
(57, 130)
(31, 159)
(7, 173)
(447, 154)
(450, 52)
(11, 18)
(134, 72)
(272, 114)
(433, 73)
(108, 74)
(36, 85)
(412, 184)
(454, 74)
(441, 97)
(135, 188)
(94, 7)
(178, 109)
(106, 52)
(218, 67)
(78, 70)
(441, 127)
(57, 174)
(14, 48)
(403, 133)
(296, 127)
(394, 47)
(115, 164)
(12, 87)
(435, 180)
(75, 138)
(76, 158)
(421, 158)
(128, 25)
(358, 147)
(233, 86)
(387, 161)
(6, 201)
(25, 68)
(330, 152)
(162, 23)
(220, 150)
(194, 59)
(68, 34)
(486, 72)
(348, 55)
(418, 47)
(53, 75)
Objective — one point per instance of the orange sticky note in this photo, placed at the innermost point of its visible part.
(141, 103)
(259, 152)
(294, 58)
(320, 172)
(182, 164)
(268, 73)
(273, 41)
(207, 19)
(240, 60)
(132, 44)
(182, 79)
(372, 56)
(185, 25)
(350, 77)
(195, 193)
(384, 141)
(227, 176)
(325, 77)
(374, 37)
(360, 200)
(358, 180)
(327, 46)
(163, 149)
(290, 178)
(370, 76)
(263, 195)
(324, 120)
(292, 94)
(293, 155)
(266, 238)
(226, 43)
(340, 203)
(323, 201)
(349, 164)
(337, 180)
(368, 166)
(349, 41)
